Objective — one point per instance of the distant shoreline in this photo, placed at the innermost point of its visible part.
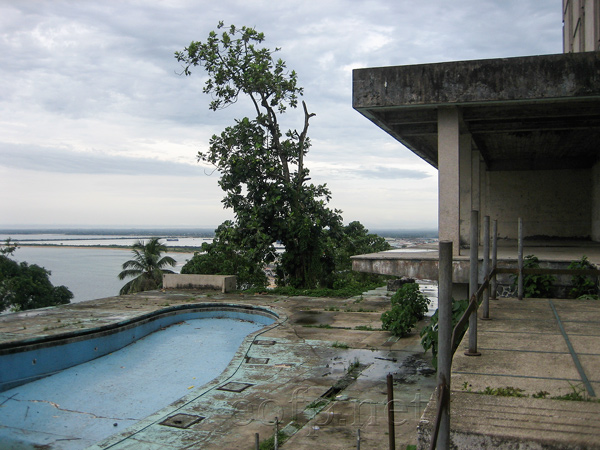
(109, 247)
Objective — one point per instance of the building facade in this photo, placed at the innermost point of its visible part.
(581, 26)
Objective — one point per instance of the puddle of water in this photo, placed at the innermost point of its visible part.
(406, 368)
(89, 402)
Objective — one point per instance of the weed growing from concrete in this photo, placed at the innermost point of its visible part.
(317, 404)
(583, 286)
(541, 394)
(337, 344)
(269, 443)
(578, 393)
(507, 391)
(535, 286)
(354, 366)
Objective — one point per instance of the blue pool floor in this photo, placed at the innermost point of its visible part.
(89, 402)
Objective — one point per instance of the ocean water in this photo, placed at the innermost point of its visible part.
(89, 273)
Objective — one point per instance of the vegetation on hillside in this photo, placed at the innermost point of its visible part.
(27, 286)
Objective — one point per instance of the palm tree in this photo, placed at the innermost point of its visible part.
(147, 267)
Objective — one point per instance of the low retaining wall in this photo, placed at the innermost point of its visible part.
(226, 283)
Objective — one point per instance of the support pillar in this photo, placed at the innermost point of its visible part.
(448, 176)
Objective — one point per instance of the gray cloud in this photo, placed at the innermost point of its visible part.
(47, 159)
(82, 75)
(389, 173)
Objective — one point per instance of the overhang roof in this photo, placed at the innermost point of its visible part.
(526, 113)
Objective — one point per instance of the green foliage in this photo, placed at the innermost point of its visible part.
(261, 166)
(264, 177)
(8, 248)
(577, 394)
(582, 286)
(355, 239)
(541, 394)
(351, 290)
(269, 443)
(410, 297)
(535, 286)
(225, 257)
(429, 334)
(147, 266)
(24, 286)
(507, 391)
(409, 306)
(341, 345)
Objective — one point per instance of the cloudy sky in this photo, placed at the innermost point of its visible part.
(97, 127)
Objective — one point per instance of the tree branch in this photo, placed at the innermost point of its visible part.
(302, 141)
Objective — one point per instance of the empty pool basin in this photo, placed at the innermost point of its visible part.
(162, 357)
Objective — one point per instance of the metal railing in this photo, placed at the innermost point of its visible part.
(478, 295)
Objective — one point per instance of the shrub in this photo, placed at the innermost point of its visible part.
(429, 334)
(582, 285)
(409, 306)
(535, 286)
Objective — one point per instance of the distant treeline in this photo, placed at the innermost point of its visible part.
(411, 234)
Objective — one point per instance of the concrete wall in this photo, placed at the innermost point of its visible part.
(581, 25)
(224, 283)
(552, 203)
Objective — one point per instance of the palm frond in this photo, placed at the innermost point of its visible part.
(147, 266)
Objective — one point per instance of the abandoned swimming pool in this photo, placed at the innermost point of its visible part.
(78, 406)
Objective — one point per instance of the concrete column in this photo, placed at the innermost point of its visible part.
(465, 186)
(448, 177)
(475, 181)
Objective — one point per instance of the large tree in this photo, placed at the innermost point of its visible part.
(147, 266)
(262, 166)
(27, 286)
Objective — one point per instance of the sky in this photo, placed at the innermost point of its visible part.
(98, 128)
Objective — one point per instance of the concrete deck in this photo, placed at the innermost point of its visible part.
(303, 367)
(523, 347)
(422, 262)
(542, 347)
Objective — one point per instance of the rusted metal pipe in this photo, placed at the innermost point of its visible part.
(486, 266)
(390, 408)
(444, 339)
(494, 286)
(473, 282)
(520, 256)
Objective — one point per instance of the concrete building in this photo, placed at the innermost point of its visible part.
(511, 138)
(581, 27)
